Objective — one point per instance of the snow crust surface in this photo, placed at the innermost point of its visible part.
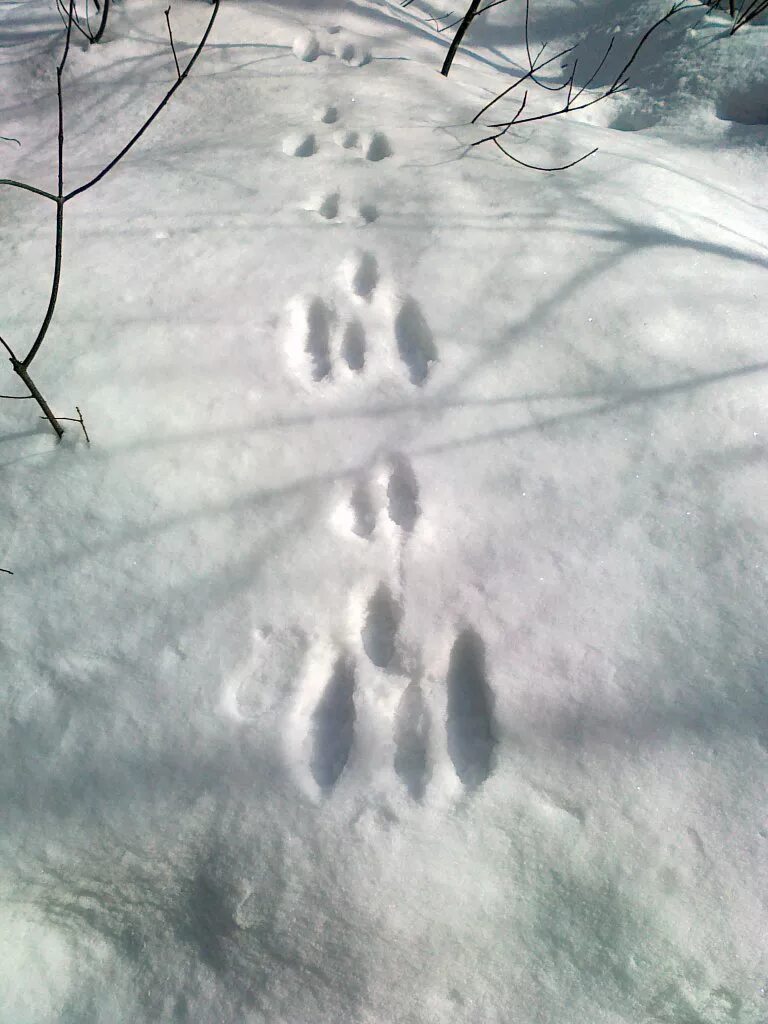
(396, 652)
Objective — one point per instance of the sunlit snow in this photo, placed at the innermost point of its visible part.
(396, 652)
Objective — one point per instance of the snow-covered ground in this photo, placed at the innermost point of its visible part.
(396, 652)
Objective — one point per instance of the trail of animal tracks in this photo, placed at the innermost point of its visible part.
(396, 650)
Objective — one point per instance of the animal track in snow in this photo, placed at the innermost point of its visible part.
(368, 212)
(362, 274)
(402, 505)
(403, 494)
(333, 725)
(330, 115)
(350, 53)
(313, 322)
(363, 512)
(264, 682)
(302, 145)
(318, 338)
(306, 46)
(347, 139)
(377, 147)
(353, 345)
(379, 631)
(414, 341)
(469, 722)
(310, 336)
(412, 741)
(329, 207)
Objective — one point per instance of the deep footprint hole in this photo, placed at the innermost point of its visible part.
(369, 213)
(414, 341)
(412, 741)
(333, 726)
(403, 494)
(469, 723)
(318, 341)
(329, 208)
(353, 346)
(366, 276)
(380, 629)
(378, 147)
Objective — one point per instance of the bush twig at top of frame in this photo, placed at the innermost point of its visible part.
(574, 100)
(92, 28)
(741, 13)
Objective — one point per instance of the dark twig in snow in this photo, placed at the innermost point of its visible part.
(742, 13)
(170, 36)
(8, 571)
(74, 419)
(528, 74)
(86, 31)
(473, 11)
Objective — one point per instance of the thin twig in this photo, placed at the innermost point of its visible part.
(82, 423)
(542, 48)
(59, 205)
(466, 21)
(73, 419)
(129, 145)
(596, 72)
(16, 398)
(679, 5)
(505, 129)
(9, 138)
(20, 366)
(170, 36)
(8, 348)
(535, 167)
(8, 571)
(528, 74)
(28, 188)
(618, 85)
(75, 20)
(103, 24)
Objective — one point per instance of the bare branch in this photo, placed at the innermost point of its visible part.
(466, 21)
(528, 74)
(533, 62)
(9, 138)
(680, 5)
(73, 419)
(132, 142)
(170, 36)
(58, 248)
(8, 571)
(61, 8)
(102, 26)
(535, 167)
(505, 129)
(27, 188)
(619, 84)
(595, 73)
(8, 349)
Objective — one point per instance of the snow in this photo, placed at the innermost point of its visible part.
(396, 650)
